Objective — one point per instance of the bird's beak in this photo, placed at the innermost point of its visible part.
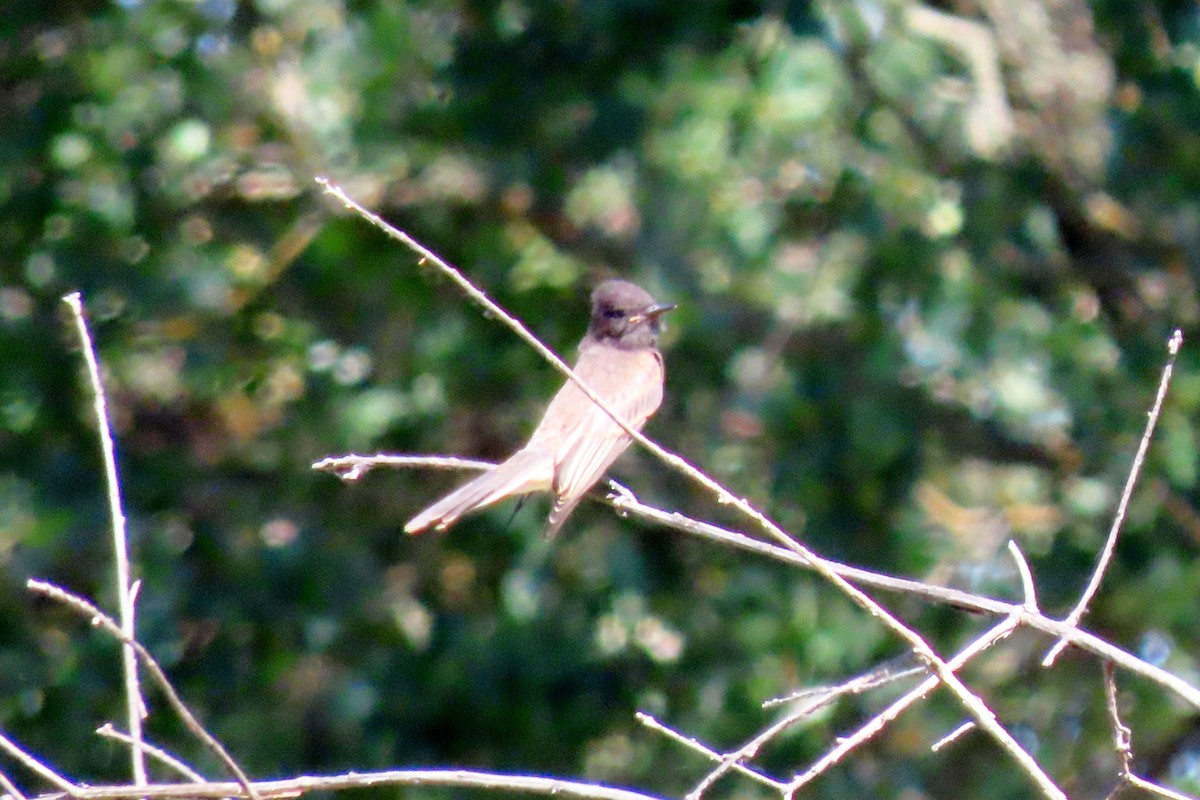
(653, 312)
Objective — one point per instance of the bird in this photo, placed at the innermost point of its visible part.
(576, 441)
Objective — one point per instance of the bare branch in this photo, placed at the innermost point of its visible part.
(35, 766)
(877, 723)
(974, 705)
(953, 736)
(99, 619)
(1110, 543)
(977, 708)
(750, 749)
(939, 594)
(626, 503)
(294, 787)
(1023, 570)
(1122, 736)
(1123, 742)
(109, 732)
(352, 467)
(857, 685)
(712, 755)
(809, 701)
(9, 788)
(135, 704)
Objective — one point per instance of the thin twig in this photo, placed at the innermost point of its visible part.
(857, 685)
(9, 788)
(109, 732)
(100, 619)
(135, 704)
(1026, 574)
(1123, 742)
(1173, 345)
(808, 703)
(953, 736)
(918, 692)
(1122, 736)
(938, 594)
(294, 787)
(352, 467)
(712, 755)
(750, 749)
(626, 503)
(35, 766)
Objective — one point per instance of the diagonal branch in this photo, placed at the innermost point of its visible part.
(712, 755)
(102, 620)
(918, 692)
(109, 732)
(625, 502)
(814, 700)
(9, 788)
(1111, 542)
(952, 737)
(1026, 575)
(938, 594)
(35, 766)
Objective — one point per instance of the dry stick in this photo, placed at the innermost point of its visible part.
(1123, 742)
(970, 701)
(625, 503)
(750, 749)
(712, 755)
(9, 788)
(35, 766)
(1030, 606)
(1026, 575)
(352, 467)
(108, 731)
(293, 787)
(918, 692)
(955, 597)
(99, 619)
(1110, 543)
(952, 737)
(135, 705)
(857, 685)
(816, 700)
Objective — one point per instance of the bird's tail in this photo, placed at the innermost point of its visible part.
(526, 470)
(563, 506)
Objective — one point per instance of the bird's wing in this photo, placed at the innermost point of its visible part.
(633, 386)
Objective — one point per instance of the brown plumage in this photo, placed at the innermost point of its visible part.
(576, 442)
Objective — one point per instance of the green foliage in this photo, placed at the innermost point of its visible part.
(901, 343)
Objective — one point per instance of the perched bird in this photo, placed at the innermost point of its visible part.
(576, 441)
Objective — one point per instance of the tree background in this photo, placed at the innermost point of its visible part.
(924, 284)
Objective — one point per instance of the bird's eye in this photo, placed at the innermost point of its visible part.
(613, 313)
